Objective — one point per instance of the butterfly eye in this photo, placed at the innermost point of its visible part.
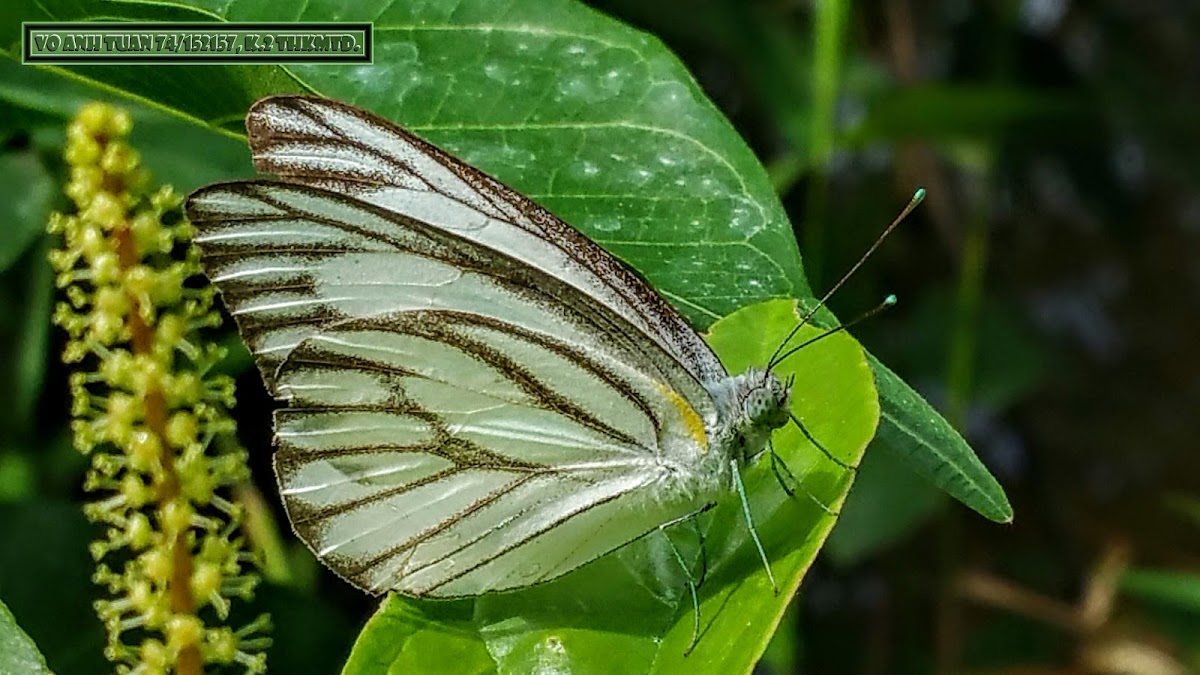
(758, 401)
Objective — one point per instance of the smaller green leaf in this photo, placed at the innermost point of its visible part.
(834, 394)
(629, 611)
(176, 151)
(18, 654)
(916, 432)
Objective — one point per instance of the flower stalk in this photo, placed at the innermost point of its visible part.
(149, 411)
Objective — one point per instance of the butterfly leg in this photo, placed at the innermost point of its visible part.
(703, 549)
(692, 587)
(741, 490)
(694, 519)
(780, 469)
(804, 430)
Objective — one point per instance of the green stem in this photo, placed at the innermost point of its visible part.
(829, 28)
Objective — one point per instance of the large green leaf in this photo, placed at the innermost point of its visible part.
(628, 611)
(599, 123)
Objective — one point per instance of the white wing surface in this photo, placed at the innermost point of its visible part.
(458, 421)
(328, 144)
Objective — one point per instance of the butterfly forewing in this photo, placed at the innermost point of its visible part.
(458, 421)
(290, 260)
(329, 144)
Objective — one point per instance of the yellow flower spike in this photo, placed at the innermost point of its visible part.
(196, 485)
(154, 656)
(142, 596)
(92, 119)
(105, 210)
(168, 288)
(184, 630)
(123, 411)
(182, 429)
(139, 282)
(120, 123)
(148, 375)
(112, 301)
(185, 388)
(90, 241)
(119, 159)
(106, 268)
(177, 516)
(222, 644)
(206, 580)
(85, 151)
(170, 331)
(117, 370)
(106, 328)
(145, 452)
(148, 233)
(139, 532)
(150, 413)
(156, 563)
(135, 491)
(157, 616)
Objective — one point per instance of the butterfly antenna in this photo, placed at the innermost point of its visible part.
(887, 302)
(917, 198)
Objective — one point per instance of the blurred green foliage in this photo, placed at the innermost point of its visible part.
(1048, 295)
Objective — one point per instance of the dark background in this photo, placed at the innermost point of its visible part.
(1049, 293)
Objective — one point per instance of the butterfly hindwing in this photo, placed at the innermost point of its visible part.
(410, 459)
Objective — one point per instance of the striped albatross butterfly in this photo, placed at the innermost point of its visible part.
(478, 397)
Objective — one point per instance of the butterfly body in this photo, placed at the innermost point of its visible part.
(478, 397)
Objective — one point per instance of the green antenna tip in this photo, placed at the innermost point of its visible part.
(919, 195)
(890, 300)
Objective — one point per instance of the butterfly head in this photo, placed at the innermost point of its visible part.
(766, 401)
(753, 404)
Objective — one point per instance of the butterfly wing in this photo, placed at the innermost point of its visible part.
(458, 421)
(329, 144)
